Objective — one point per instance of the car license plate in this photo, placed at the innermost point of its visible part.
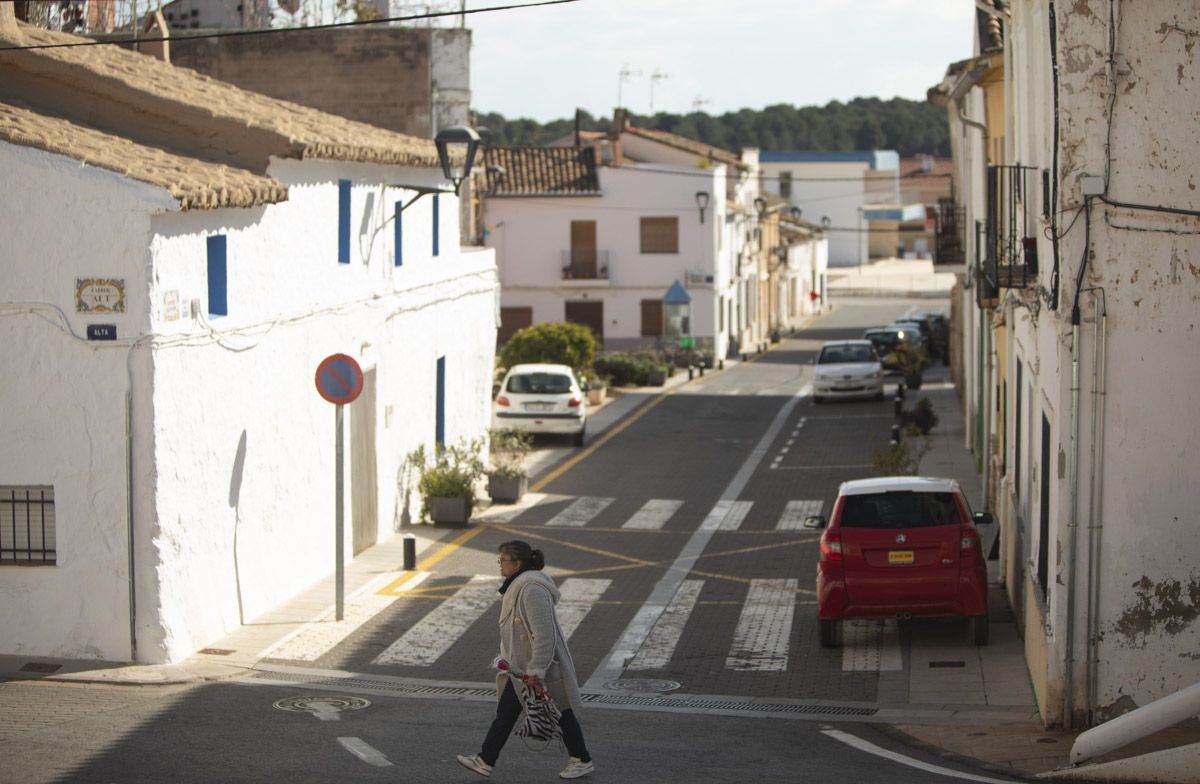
(900, 557)
(539, 406)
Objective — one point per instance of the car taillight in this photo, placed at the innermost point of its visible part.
(574, 402)
(502, 401)
(831, 547)
(969, 543)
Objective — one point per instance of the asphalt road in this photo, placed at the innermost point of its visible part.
(688, 589)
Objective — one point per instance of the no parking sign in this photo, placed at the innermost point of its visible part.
(339, 379)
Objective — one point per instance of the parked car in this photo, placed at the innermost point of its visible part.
(542, 398)
(889, 340)
(923, 325)
(847, 368)
(901, 547)
(940, 335)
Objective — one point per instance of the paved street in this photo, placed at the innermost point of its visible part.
(687, 597)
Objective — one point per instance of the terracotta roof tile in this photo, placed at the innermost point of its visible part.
(541, 171)
(689, 145)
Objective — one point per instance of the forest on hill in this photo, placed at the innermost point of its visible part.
(908, 127)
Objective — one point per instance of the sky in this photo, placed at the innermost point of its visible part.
(717, 55)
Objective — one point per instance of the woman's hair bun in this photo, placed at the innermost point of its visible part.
(536, 559)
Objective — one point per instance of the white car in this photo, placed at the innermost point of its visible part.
(542, 398)
(847, 368)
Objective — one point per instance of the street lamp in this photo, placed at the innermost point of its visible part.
(456, 148)
(795, 212)
(760, 204)
(702, 202)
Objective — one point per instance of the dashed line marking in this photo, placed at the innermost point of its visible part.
(365, 752)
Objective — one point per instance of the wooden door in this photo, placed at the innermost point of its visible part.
(590, 314)
(583, 249)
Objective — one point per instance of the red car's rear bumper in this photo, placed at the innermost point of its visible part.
(833, 603)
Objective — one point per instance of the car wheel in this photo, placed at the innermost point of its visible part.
(578, 438)
(977, 629)
(830, 633)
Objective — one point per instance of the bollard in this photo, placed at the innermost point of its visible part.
(895, 434)
(410, 552)
(899, 407)
(720, 364)
(690, 370)
(900, 391)
(743, 356)
(701, 368)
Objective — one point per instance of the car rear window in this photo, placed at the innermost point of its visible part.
(539, 384)
(899, 509)
(833, 355)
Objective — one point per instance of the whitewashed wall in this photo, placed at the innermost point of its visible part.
(1148, 265)
(838, 198)
(531, 236)
(234, 450)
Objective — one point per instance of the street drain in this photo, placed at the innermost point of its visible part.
(642, 685)
(43, 667)
(324, 707)
(947, 664)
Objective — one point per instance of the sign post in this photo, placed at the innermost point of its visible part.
(339, 380)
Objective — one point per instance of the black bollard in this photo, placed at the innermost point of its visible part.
(899, 407)
(701, 368)
(900, 391)
(895, 434)
(410, 553)
(720, 364)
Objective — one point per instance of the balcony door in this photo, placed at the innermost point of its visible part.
(583, 249)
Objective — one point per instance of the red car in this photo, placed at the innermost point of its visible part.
(901, 547)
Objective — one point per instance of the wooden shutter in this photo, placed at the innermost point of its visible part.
(660, 235)
(653, 318)
(511, 321)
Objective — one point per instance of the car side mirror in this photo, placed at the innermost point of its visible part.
(815, 522)
(984, 518)
(495, 390)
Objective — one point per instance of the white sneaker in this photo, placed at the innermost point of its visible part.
(576, 768)
(475, 763)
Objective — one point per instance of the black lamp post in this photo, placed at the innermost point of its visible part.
(795, 212)
(760, 204)
(454, 144)
(702, 202)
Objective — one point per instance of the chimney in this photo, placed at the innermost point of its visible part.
(8, 23)
(620, 122)
(156, 26)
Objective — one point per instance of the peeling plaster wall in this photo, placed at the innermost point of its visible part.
(63, 420)
(1148, 264)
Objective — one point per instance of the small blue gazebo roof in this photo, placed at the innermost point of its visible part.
(676, 295)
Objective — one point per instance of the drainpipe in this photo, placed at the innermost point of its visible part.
(1069, 561)
(129, 522)
(1096, 505)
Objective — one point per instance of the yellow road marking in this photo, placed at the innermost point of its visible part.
(581, 548)
(428, 564)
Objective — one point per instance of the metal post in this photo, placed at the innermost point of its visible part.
(339, 493)
(410, 553)
(899, 406)
(701, 368)
(895, 434)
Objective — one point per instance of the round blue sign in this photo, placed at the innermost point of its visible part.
(339, 379)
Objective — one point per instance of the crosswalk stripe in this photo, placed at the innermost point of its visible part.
(578, 596)
(653, 515)
(579, 513)
(430, 637)
(870, 646)
(764, 629)
(726, 516)
(794, 514)
(506, 513)
(660, 644)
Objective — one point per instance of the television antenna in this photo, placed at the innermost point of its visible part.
(657, 76)
(699, 102)
(626, 72)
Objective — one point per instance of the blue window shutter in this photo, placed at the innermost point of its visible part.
(343, 221)
(399, 234)
(218, 304)
(441, 402)
(436, 203)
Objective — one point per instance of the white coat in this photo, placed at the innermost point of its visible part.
(532, 641)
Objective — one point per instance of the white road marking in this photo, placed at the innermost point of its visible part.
(727, 515)
(578, 596)
(870, 646)
(313, 640)
(653, 515)
(630, 641)
(580, 512)
(430, 637)
(506, 513)
(871, 748)
(764, 629)
(365, 752)
(660, 644)
(794, 514)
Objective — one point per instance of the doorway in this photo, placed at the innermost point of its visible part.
(364, 481)
(590, 314)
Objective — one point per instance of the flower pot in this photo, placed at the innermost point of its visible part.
(449, 511)
(912, 380)
(595, 396)
(505, 489)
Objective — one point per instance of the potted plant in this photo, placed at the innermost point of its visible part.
(922, 418)
(507, 478)
(596, 387)
(447, 481)
(910, 362)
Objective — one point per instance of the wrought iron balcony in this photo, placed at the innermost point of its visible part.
(1010, 251)
(585, 265)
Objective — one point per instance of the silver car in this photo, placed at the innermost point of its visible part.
(847, 368)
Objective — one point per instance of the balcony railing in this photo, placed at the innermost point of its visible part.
(1010, 234)
(585, 265)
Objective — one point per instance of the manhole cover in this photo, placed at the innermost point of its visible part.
(324, 707)
(642, 685)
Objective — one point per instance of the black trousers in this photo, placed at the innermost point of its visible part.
(509, 710)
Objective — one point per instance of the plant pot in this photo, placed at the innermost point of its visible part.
(504, 489)
(913, 381)
(595, 396)
(449, 511)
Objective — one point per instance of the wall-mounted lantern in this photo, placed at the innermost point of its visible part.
(456, 147)
(826, 222)
(702, 202)
(795, 212)
(760, 204)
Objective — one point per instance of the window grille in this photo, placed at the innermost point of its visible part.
(1011, 244)
(27, 528)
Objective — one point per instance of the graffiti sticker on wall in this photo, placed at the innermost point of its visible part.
(100, 295)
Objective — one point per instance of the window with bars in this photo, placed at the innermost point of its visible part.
(27, 527)
(660, 235)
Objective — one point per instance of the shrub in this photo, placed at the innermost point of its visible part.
(625, 369)
(507, 449)
(453, 472)
(920, 419)
(562, 344)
